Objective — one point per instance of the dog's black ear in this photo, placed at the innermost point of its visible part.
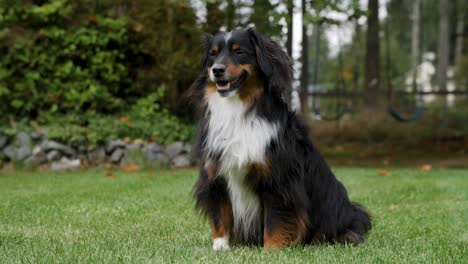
(263, 57)
(273, 62)
(207, 40)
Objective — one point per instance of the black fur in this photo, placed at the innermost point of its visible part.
(299, 181)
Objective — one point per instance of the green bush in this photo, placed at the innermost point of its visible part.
(54, 61)
(146, 120)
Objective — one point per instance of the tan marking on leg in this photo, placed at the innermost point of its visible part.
(225, 225)
(286, 234)
(211, 170)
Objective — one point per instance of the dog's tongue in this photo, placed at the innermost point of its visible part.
(222, 86)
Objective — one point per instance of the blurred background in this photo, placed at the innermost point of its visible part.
(95, 82)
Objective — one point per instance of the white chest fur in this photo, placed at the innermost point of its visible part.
(241, 140)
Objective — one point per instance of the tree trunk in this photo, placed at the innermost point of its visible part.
(373, 56)
(305, 64)
(214, 17)
(460, 30)
(230, 15)
(415, 41)
(290, 6)
(443, 45)
(260, 13)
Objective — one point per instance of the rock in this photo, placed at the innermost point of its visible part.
(23, 139)
(133, 146)
(3, 141)
(173, 149)
(10, 152)
(65, 164)
(35, 160)
(158, 159)
(53, 155)
(112, 145)
(133, 157)
(37, 149)
(151, 149)
(180, 161)
(50, 145)
(23, 152)
(188, 148)
(117, 155)
(37, 136)
(97, 156)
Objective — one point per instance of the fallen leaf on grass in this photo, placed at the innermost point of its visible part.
(84, 164)
(110, 175)
(152, 174)
(131, 168)
(108, 166)
(425, 167)
(392, 207)
(383, 173)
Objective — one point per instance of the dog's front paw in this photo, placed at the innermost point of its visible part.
(220, 243)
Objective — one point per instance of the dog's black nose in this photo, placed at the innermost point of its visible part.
(218, 70)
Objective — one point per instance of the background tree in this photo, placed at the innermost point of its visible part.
(443, 47)
(303, 94)
(372, 80)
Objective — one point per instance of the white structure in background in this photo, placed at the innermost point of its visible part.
(425, 73)
(450, 87)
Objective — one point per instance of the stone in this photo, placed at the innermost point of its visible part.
(112, 145)
(50, 145)
(65, 164)
(188, 148)
(35, 160)
(133, 157)
(23, 139)
(158, 159)
(153, 147)
(97, 156)
(23, 152)
(133, 146)
(151, 150)
(3, 141)
(173, 149)
(10, 152)
(117, 155)
(37, 149)
(37, 136)
(53, 155)
(181, 161)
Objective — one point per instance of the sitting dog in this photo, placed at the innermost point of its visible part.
(262, 182)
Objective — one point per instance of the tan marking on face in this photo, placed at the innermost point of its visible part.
(253, 86)
(215, 49)
(235, 47)
(209, 90)
(225, 225)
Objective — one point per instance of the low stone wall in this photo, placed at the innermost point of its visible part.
(35, 150)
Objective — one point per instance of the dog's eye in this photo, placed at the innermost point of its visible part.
(212, 53)
(239, 52)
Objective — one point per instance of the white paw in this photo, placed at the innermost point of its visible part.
(221, 243)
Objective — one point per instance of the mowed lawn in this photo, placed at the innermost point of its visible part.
(148, 217)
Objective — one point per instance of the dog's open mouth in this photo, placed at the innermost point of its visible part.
(225, 87)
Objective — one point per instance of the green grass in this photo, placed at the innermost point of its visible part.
(86, 217)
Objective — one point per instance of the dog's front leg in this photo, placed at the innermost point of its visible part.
(283, 225)
(213, 200)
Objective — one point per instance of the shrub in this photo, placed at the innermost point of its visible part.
(57, 62)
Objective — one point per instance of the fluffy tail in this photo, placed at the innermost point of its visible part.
(358, 227)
